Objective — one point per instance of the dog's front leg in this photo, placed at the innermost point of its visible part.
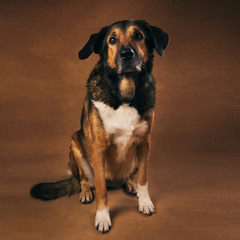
(98, 149)
(145, 204)
(102, 219)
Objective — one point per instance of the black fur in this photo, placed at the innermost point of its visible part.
(103, 81)
(107, 90)
(51, 191)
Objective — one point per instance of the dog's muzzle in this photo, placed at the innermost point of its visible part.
(128, 60)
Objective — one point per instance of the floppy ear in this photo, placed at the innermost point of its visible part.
(160, 38)
(87, 50)
(94, 44)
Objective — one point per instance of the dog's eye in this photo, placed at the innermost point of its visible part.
(112, 40)
(138, 36)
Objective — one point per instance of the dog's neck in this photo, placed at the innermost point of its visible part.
(133, 88)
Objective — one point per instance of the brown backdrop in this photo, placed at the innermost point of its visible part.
(194, 167)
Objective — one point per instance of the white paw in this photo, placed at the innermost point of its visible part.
(103, 221)
(144, 201)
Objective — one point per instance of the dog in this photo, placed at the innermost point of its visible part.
(113, 143)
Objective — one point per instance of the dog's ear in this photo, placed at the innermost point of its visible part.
(87, 50)
(94, 44)
(160, 38)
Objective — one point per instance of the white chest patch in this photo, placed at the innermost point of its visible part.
(123, 123)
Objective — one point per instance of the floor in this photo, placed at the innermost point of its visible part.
(194, 170)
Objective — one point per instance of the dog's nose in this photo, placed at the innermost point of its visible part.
(127, 54)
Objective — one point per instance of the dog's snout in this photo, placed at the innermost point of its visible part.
(127, 54)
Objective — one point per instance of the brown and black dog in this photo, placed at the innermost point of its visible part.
(117, 117)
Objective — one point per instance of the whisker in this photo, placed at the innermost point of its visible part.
(143, 66)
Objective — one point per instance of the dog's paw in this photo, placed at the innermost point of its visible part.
(144, 201)
(130, 187)
(103, 221)
(146, 206)
(86, 196)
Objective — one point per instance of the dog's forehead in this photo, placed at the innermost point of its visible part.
(124, 27)
(123, 24)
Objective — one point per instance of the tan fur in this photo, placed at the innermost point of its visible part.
(98, 149)
(127, 88)
(124, 39)
(120, 170)
(131, 186)
(143, 154)
(112, 49)
(139, 45)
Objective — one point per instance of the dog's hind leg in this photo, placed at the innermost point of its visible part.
(82, 170)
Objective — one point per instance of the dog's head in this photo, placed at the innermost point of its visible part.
(126, 46)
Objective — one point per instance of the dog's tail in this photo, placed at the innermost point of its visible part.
(50, 191)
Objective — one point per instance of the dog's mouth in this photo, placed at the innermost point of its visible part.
(128, 67)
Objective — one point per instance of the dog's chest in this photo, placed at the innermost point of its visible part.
(123, 124)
